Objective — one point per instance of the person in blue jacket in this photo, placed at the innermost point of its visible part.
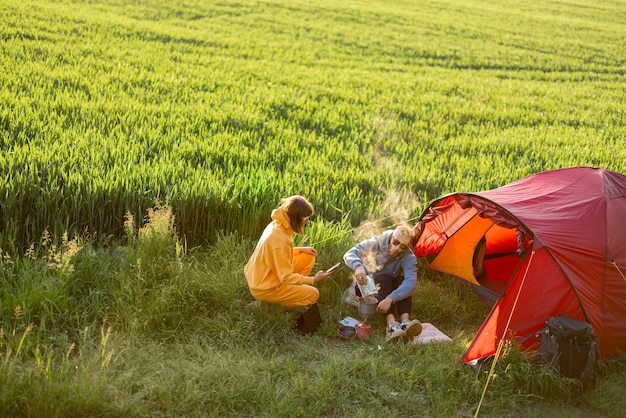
(389, 258)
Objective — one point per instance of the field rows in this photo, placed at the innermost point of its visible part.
(224, 108)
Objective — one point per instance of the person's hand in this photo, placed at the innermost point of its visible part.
(321, 275)
(384, 305)
(359, 275)
(309, 250)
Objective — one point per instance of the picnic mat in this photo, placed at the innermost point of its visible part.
(429, 334)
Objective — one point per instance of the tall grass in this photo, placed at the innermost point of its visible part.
(176, 337)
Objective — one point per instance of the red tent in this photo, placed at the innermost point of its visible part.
(553, 243)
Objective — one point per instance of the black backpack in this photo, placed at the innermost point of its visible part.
(571, 347)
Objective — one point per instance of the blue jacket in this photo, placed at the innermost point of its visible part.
(373, 255)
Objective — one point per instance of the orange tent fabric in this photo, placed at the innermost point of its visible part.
(553, 243)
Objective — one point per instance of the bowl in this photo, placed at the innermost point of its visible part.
(346, 332)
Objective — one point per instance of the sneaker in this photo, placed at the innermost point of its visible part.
(412, 328)
(395, 332)
(350, 296)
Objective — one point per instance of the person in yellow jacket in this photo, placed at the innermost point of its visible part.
(277, 272)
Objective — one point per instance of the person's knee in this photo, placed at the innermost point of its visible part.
(303, 263)
(312, 295)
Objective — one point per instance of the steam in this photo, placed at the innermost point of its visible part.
(394, 211)
(369, 262)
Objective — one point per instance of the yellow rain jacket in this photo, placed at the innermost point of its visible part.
(275, 262)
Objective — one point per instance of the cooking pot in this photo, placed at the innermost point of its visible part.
(367, 306)
(346, 332)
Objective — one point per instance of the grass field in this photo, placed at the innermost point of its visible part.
(224, 108)
(112, 305)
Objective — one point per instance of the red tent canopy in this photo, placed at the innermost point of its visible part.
(553, 243)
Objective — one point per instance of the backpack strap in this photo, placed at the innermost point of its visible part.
(589, 372)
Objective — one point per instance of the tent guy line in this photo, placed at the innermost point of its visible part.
(503, 340)
(618, 270)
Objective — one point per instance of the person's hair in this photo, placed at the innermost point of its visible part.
(297, 208)
(407, 232)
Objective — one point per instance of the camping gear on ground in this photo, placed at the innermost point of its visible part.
(349, 321)
(571, 347)
(367, 309)
(553, 243)
(309, 321)
(363, 331)
(346, 332)
(352, 328)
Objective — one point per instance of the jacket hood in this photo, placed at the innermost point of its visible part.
(282, 218)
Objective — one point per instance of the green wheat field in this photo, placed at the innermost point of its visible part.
(145, 143)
